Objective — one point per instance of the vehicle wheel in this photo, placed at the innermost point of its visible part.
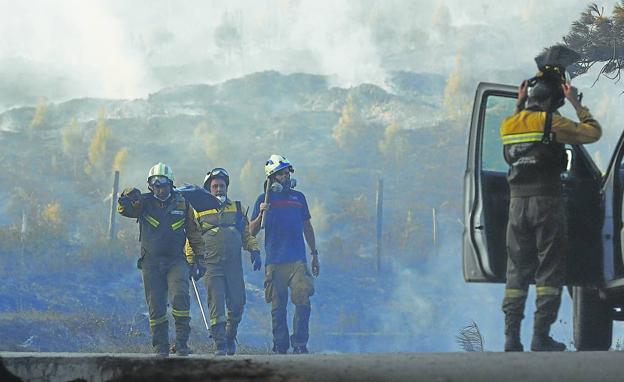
(593, 324)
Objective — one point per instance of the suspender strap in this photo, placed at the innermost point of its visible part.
(546, 139)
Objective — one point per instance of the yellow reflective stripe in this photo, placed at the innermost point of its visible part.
(152, 221)
(548, 291)
(230, 208)
(522, 138)
(181, 313)
(217, 320)
(515, 293)
(178, 224)
(199, 214)
(207, 226)
(158, 321)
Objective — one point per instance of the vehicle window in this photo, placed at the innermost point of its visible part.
(497, 109)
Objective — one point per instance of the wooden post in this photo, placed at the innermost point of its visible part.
(379, 221)
(434, 227)
(113, 209)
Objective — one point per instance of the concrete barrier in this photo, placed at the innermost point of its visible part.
(565, 366)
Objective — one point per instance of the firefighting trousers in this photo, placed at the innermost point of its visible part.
(226, 289)
(536, 233)
(167, 281)
(278, 278)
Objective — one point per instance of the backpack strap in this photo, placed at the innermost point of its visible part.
(546, 138)
(239, 217)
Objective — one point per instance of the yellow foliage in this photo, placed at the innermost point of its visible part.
(390, 134)
(72, 138)
(455, 102)
(42, 107)
(251, 178)
(394, 145)
(51, 214)
(97, 148)
(215, 145)
(350, 127)
(120, 158)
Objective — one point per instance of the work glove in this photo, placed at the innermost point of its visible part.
(129, 195)
(198, 269)
(256, 260)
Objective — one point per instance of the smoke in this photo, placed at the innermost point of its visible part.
(118, 49)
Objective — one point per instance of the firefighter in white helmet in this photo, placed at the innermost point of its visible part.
(287, 224)
(166, 221)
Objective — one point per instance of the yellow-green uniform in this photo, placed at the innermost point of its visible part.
(164, 229)
(225, 231)
(536, 228)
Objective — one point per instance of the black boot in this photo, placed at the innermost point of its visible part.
(512, 342)
(230, 338)
(218, 335)
(544, 342)
(230, 345)
(512, 333)
(547, 306)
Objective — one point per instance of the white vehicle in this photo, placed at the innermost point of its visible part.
(593, 201)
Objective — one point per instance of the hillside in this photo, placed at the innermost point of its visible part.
(57, 161)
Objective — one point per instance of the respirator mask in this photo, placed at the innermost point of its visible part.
(279, 187)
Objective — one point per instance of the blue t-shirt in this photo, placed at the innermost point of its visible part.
(283, 223)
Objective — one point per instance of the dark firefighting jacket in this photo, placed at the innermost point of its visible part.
(535, 159)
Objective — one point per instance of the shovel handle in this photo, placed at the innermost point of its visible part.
(266, 200)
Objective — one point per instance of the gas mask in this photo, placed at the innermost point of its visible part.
(279, 187)
(159, 182)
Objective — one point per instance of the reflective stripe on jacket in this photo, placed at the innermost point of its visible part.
(225, 231)
(535, 166)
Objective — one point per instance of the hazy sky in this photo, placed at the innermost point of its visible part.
(123, 49)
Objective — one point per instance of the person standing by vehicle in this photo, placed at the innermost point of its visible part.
(166, 220)
(225, 231)
(287, 222)
(533, 140)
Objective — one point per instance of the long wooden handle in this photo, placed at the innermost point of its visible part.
(266, 200)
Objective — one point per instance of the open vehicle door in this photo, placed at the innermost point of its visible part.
(486, 197)
(612, 233)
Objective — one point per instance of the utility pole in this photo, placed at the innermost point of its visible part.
(113, 208)
(379, 221)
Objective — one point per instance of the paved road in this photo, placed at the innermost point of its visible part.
(431, 367)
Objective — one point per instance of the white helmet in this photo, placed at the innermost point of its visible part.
(162, 171)
(276, 163)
